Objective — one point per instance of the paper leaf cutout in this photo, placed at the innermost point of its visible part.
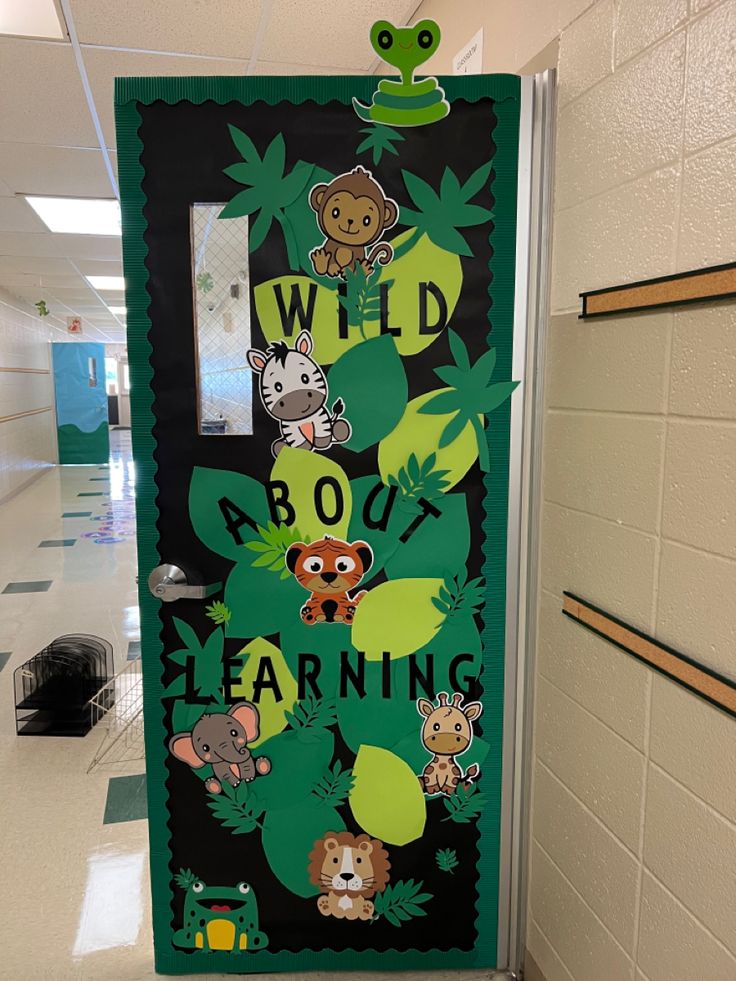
(206, 489)
(303, 472)
(271, 709)
(386, 799)
(289, 837)
(371, 380)
(298, 762)
(396, 616)
(421, 434)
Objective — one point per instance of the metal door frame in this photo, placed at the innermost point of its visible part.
(531, 311)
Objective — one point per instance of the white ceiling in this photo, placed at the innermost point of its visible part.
(49, 141)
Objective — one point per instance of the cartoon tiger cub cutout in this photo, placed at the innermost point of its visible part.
(329, 569)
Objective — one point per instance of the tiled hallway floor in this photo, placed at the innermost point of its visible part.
(74, 845)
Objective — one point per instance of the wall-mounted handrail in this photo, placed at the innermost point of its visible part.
(709, 684)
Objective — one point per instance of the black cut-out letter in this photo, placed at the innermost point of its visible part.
(355, 675)
(441, 322)
(266, 678)
(309, 669)
(385, 329)
(380, 524)
(296, 308)
(228, 678)
(280, 487)
(426, 679)
(235, 518)
(467, 687)
(319, 503)
(427, 509)
(191, 694)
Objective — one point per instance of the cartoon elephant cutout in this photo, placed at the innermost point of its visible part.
(221, 740)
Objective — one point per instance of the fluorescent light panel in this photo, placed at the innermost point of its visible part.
(30, 18)
(115, 284)
(80, 216)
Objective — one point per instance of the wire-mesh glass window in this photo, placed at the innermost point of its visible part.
(222, 322)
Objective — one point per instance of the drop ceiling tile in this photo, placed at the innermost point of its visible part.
(224, 28)
(48, 266)
(284, 68)
(16, 215)
(104, 65)
(62, 246)
(338, 31)
(41, 96)
(37, 169)
(101, 267)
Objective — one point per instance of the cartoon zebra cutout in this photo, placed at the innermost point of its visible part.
(293, 390)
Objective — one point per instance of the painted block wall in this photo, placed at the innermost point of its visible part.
(27, 436)
(633, 839)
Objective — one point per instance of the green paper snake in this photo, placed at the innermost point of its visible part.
(405, 103)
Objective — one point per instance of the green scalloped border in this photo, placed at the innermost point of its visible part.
(505, 91)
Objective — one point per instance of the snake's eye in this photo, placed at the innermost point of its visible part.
(198, 887)
(243, 888)
(384, 40)
(425, 39)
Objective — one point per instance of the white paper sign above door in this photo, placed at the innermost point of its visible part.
(469, 59)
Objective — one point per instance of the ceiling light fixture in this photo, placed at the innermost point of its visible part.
(114, 284)
(79, 216)
(31, 18)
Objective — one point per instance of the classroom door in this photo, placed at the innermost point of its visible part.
(320, 339)
(81, 402)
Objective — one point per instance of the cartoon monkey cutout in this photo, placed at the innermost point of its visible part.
(353, 213)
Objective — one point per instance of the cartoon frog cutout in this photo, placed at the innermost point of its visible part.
(220, 918)
(408, 102)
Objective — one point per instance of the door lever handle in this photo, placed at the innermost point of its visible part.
(169, 582)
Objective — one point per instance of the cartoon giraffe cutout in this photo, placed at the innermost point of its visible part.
(447, 732)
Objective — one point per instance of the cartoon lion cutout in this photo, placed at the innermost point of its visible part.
(348, 870)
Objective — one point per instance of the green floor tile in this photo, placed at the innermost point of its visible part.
(28, 587)
(4, 658)
(57, 543)
(77, 514)
(126, 799)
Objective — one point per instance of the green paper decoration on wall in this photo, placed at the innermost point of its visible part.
(408, 102)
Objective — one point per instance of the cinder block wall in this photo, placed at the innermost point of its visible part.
(27, 435)
(633, 854)
(633, 850)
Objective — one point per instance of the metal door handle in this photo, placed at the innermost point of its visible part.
(169, 582)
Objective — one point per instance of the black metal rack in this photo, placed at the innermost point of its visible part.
(53, 689)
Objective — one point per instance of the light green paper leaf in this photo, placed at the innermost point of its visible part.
(421, 434)
(273, 719)
(387, 799)
(302, 471)
(396, 616)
